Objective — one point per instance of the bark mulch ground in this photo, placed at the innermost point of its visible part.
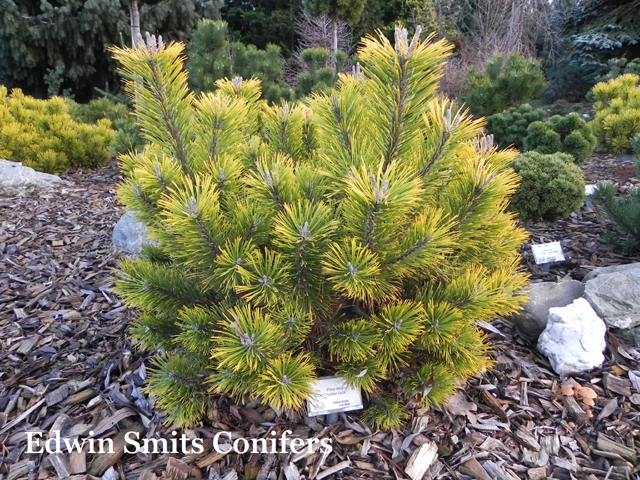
(66, 365)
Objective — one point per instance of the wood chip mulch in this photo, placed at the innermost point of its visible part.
(66, 365)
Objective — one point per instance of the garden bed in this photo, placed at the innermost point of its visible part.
(67, 365)
(581, 233)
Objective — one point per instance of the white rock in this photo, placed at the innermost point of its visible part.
(574, 338)
(17, 180)
(129, 234)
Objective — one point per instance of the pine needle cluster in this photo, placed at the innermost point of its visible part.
(361, 233)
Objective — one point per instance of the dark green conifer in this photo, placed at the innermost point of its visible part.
(213, 57)
(51, 48)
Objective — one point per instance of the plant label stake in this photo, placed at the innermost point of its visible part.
(333, 395)
(589, 190)
(547, 253)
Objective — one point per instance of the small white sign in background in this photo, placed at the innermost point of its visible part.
(333, 396)
(547, 253)
(589, 190)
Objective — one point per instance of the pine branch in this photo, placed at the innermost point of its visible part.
(160, 92)
(282, 132)
(342, 131)
(307, 136)
(473, 201)
(216, 132)
(302, 272)
(145, 200)
(247, 342)
(271, 180)
(439, 150)
(398, 112)
(206, 235)
(370, 227)
(177, 383)
(161, 180)
(249, 233)
(155, 287)
(419, 247)
(167, 115)
(176, 295)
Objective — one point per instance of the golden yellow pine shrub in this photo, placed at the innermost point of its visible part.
(363, 234)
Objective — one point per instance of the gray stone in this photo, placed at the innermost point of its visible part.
(574, 338)
(613, 269)
(630, 335)
(17, 180)
(129, 234)
(532, 320)
(615, 296)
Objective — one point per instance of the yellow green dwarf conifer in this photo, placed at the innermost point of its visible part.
(42, 135)
(361, 233)
(617, 107)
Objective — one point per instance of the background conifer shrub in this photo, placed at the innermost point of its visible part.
(510, 126)
(505, 81)
(525, 129)
(620, 66)
(318, 77)
(552, 186)
(617, 109)
(127, 134)
(212, 57)
(567, 134)
(41, 134)
(361, 234)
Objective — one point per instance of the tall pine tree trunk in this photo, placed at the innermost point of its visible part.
(334, 45)
(135, 22)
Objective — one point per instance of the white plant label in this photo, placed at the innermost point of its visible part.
(589, 190)
(333, 395)
(547, 253)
